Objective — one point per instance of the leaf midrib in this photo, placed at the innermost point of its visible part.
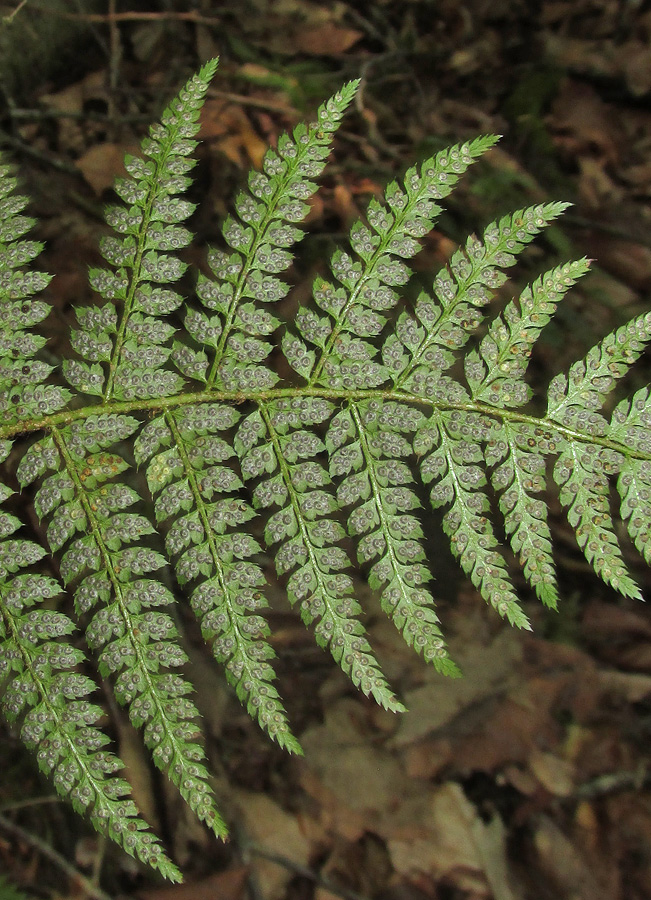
(261, 398)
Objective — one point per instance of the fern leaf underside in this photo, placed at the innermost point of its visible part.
(318, 469)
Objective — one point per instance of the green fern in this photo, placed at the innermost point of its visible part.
(325, 460)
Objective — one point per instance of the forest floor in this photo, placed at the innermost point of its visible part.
(529, 778)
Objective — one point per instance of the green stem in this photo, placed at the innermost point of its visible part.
(279, 194)
(161, 404)
(107, 562)
(200, 506)
(53, 712)
(134, 280)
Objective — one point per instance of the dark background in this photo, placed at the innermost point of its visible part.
(527, 779)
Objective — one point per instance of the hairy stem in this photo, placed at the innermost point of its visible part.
(160, 404)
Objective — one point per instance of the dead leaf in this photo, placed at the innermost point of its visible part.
(227, 127)
(629, 686)
(266, 824)
(562, 863)
(447, 844)
(606, 620)
(344, 205)
(490, 839)
(555, 774)
(228, 885)
(636, 63)
(585, 125)
(596, 187)
(427, 758)
(325, 40)
(486, 671)
(101, 164)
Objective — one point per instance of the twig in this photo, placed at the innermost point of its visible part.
(7, 20)
(368, 27)
(45, 850)
(242, 100)
(304, 871)
(605, 228)
(96, 32)
(31, 801)
(103, 18)
(613, 783)
(114, 63)
(90, 116)
(53, 161)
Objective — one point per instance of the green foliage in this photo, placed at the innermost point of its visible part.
(9, 892)
(233, 459)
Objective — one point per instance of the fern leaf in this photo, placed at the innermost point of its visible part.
(187, 474)
(23, 395)
(582, 472)
(136, 639)
(424, 341)
(630, 426)
(495, 372)
(355, 311)
(452, 439)
(573, 398)
(237, 463)
(366, 444)
(270, 443)
(135, 342)
(583, 468)
(37, 667)
(518, 451)
(260, 243)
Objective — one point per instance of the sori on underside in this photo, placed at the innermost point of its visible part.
(193, 440)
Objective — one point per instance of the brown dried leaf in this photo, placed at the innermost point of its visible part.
(562, 862)
(270, 827)
(101, 164)
(228, 885)
(325, 40)
(636, 63)
(448, 843)
(585, 125)
(227, 127)
(486, 671)
(556, 775)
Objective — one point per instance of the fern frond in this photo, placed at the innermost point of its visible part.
(37, 667)
(425, 340)
(517, 451)
(23, 395)
(237, 464)
(454, 440)
(356, 310)
(367, 445)
(269, 443)
(134, 344)
(261, 242)
(136, 639)
(583, 469)
(630, 426)
(495, 374)
(187, 474)
(574, 397)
